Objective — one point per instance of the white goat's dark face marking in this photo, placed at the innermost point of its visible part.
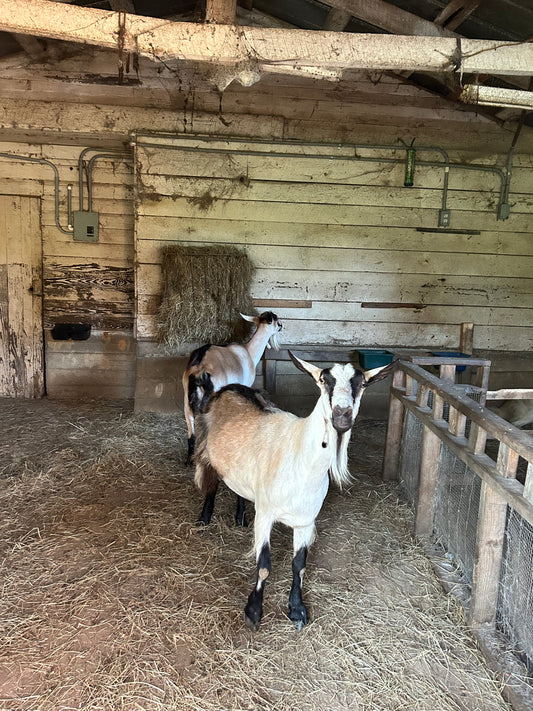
(342, 386)
(358, 383)
(270, 318)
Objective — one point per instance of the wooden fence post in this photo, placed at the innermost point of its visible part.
(393, 440)
(489, 545)
(429, 468)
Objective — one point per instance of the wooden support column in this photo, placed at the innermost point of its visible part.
(222, 12)
(429, 468)
(466, 342)
(393, 440)
(489, 544)
(528, 486)
(270, 367)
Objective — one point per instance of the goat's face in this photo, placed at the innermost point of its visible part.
(271, 325)
(342, 387)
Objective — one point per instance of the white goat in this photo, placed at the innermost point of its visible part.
(211, 367)
(280, 462)
(518, 412)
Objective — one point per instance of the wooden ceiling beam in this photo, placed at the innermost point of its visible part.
(455, 13)
(265, 49)
(31, 45)
(122, 5)
(496, 96)
(389, 17)
(221, 12)
(337, 20)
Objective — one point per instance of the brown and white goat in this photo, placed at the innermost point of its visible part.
(211, 367)
(281, 462)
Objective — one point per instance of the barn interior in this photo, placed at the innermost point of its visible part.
(372, 161)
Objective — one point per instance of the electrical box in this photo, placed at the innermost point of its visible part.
(444, 218)
(85, 226)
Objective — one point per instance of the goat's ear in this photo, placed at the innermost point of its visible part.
(372, 376)
(251, 319)
(306, 367)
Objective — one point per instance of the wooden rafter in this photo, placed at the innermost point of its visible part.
(389, 17)
(31, 45)
(269, 49)
(122, 5)
(221, 12)
(456, 12)
(336, 20)
(496, 96)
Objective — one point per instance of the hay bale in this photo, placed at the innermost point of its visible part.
(204, 289)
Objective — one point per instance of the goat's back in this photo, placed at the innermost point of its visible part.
(242, 436)
(225, 364)
(518, 412)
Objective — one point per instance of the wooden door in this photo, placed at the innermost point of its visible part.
(21, 327)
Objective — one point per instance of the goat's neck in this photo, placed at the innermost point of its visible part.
(257, 344)
(320, 436)
(326, 448)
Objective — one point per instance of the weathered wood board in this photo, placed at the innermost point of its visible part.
(322, 226)
(21, 343)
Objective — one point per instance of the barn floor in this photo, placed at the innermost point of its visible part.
(112, 600)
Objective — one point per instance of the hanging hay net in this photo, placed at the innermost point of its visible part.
(204, 289)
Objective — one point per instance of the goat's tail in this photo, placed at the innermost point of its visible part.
(205, 476)
(200, 388)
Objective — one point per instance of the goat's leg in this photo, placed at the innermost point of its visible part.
(240, 514)
(253, 612)
(190, 450)
(189, 419)
(297, 610)
(207, 511)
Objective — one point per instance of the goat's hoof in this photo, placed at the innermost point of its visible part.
(252, 624)
(252, 617)
(202, 523)
(298, 616)
(241, 522)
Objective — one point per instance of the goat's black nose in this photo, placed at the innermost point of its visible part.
(342, 418)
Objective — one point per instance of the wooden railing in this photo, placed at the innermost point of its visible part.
(500, 489)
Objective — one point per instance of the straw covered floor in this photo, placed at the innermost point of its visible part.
(112, 600)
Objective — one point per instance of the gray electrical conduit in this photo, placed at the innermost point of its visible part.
(89, 173)
(446, 164)
(504, 186)
(43, 161)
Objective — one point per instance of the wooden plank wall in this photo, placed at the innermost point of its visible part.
(342, 236)
(345, 236)
(83, 282)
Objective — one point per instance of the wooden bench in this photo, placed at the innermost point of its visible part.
(347, 354)
(313, 354)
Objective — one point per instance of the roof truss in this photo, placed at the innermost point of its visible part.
(265, 49)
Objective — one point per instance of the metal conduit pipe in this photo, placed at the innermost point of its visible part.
(43, 161)
(90, 168)
(446, 164)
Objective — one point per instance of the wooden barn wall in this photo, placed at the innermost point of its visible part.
(340, 235)
(345, 236)
(83, 282)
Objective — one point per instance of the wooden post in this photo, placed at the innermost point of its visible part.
(489, 545)
(466, 341)
(270, 376)
(220, 11)
(393, 440)
(429, 468)
(528, 486)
